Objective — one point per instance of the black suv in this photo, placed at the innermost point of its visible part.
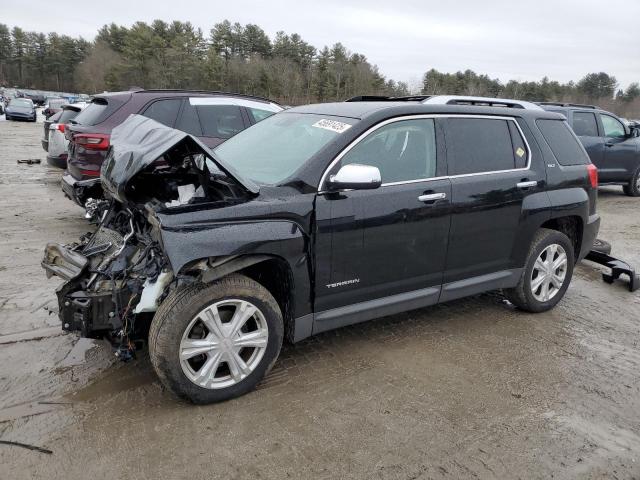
(211, 116)
(612, 145)
(319, 217)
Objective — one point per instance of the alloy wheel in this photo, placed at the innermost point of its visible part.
(549, 273)
(223, 344)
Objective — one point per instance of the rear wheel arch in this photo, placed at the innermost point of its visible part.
(572, 226)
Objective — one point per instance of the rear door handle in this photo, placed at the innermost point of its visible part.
(530, 184)
(432, 197)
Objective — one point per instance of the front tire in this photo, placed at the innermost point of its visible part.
(213, 342)
(547, 272)
(632, 189)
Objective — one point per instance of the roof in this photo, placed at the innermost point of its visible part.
(567, 105)
(347, 109)
(169, 92)
(451, 100)
(362, 110)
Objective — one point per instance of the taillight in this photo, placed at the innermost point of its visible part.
(61, 127)
(593, 175)
(92, 141)
(89, 173)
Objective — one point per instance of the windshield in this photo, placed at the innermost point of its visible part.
(21, 102)
(275, 148)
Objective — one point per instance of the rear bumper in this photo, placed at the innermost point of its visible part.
(589, 235)
(81, 190)
(59, 161)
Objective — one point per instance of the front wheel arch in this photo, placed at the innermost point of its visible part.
(271, 271)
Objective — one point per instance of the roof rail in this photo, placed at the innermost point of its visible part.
(564, 104)
(382, 98)
(186, 90)
(481, 101)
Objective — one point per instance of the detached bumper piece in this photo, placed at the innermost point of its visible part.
(617, 267)
(81, 190)
(62, 262)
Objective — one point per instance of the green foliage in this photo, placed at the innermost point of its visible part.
(594, 88)
(242, 58)
(234, 57)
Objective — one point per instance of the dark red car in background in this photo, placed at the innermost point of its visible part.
(213, 117)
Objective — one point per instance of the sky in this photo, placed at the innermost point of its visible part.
(506, 39)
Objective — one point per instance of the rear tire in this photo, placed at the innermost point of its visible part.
(547, 272)
(195, 350)
(632, 189)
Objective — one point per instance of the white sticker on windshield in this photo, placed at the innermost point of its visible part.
(332, 125)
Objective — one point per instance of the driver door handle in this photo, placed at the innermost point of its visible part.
(530, 184)
(609, 144)
(432, 197)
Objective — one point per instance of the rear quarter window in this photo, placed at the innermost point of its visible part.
(563, 143)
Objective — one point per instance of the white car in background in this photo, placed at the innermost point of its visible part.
(56, 143)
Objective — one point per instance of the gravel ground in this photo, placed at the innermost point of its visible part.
(469, 389)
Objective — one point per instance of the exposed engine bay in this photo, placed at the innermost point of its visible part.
(117, 276)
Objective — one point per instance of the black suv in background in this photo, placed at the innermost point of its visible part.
(319, 217)
(213, 117)
(612, 145)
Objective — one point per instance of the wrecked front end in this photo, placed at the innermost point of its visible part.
(112, 278)
(116, 277)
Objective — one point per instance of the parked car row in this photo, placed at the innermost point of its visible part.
(612, 144)
(217, 241)
(54, 140)
(20, 109)
(211, 117)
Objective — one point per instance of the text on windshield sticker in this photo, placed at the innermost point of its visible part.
(332, 125)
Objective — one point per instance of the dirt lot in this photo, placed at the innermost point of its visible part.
(463, 390)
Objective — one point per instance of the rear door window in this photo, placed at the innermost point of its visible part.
(220, 121)
(476, 145)
(584, 124)
(164, 111)
(563, 143)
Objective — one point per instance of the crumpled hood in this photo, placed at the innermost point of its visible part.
(139, 141)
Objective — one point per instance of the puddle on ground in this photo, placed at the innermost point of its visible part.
(121, 377)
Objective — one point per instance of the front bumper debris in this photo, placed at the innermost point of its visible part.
(81, 190)
(618, 267)
(60, 261)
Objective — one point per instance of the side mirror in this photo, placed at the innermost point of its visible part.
(634, 131)
(355, 177)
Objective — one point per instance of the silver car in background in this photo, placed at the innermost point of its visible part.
(56, 143)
